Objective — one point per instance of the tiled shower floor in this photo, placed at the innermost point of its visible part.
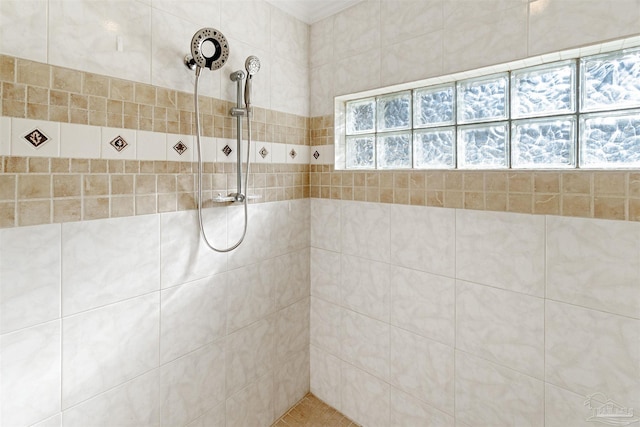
(312, 412)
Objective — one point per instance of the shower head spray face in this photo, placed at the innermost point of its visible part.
(252, 65)
(209, 48)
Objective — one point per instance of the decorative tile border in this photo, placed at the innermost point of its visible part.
(39, 91)
(590, 194)
(62, 102)
(42, 190)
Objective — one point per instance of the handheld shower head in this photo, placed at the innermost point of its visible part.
(252, 65)
(209, 48)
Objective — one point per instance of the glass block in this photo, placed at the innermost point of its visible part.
(610, 81)
(433, 106)
(610, 140)
(394, 111)
(545, 90)
(481, 100)
(394, 151)
(543, 143)
(361, 116)
(433, 148)
(483, 146)
(361, 152)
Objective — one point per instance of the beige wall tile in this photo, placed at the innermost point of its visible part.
(67, 210)
(95, 208)
(34, 212)
(7, 187)
(95, 185)
(7, 214)
(34, 186)
(67, 185)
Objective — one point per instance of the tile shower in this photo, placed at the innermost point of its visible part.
(508, 311)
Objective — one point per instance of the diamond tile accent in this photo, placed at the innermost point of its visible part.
(227, 150)
(316, 155)
(293, 153)
(36, 138)
(180, 147)
(263, 152)
(119, 143)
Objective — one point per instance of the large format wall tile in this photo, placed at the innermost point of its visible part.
(354, 25)
(253, 405)
(424, 304)
(365, 286)
(192, 315)
(501, 249)
(490, 395)
(215, 417)
(550, 30)
(250, 294)
(564, 408)
(408, 411)
(325, 377)
(292, 330)
(589, 351)
(293, 278)
(325, 329)
(325, 224)
(502, 326)
(408, 60)
(413, 15)
(423, 368)
(105, 347)
(30, 372)
(366, 230)
(29, 276)
(181, 246)
(250, 354)
(92, 27)
(365, 343)
(274, 229)
(365, 398)
(423, 239)
(326, 274)
(192, 385)
(482, 34)
(291, 381)
(18, 18)
(108, 261)
(135, 403)
(585, 268)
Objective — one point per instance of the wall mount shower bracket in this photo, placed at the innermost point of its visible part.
(234, 197)
(189, 62)
(238, 112)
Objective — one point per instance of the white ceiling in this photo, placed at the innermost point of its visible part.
(311, 11)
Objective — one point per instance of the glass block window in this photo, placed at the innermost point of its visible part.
(361, 152)
(394, 112)
(610, 81)
(394, 151)
(542, 91)
(543, 143)
(433, 106)
(483, 146)
(434, 148)
(482, 100)
(610, 139)
(361, 116)
(578, 113)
